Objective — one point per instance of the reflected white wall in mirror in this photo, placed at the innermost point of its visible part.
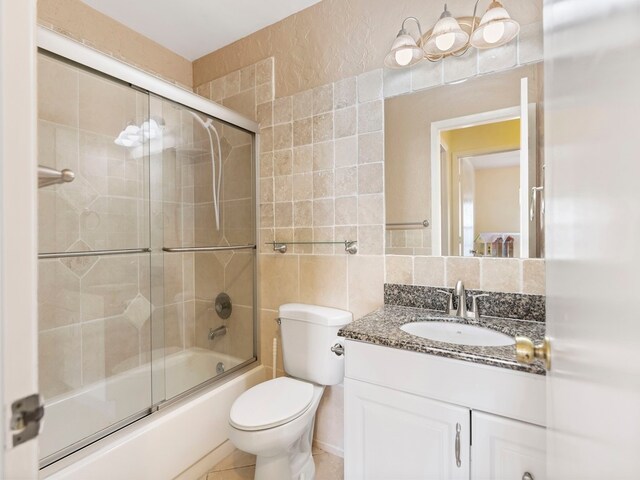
(480, 195)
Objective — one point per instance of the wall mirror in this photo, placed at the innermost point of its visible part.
(464, 173)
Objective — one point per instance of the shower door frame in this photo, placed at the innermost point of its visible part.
(76, 53)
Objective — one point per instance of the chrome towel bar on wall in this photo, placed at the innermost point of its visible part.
(402, 226)
(350, 246)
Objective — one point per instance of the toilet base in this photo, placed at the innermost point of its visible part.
(272, 468)
(279, 468)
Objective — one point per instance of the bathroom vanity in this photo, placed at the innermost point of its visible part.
(419, 408)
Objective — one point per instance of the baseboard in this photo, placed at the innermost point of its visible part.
(333, 450)
(206, 463)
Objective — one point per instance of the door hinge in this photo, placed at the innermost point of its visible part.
(26, 418)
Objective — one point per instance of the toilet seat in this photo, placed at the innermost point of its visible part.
(271, 404)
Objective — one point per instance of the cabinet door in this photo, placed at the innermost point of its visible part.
(504, 449)
(392, 435)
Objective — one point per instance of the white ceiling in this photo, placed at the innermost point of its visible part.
(193, 28)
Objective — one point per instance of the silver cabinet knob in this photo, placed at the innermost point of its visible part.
(527, 476)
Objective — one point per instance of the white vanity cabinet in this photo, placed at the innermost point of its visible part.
(415, 416)
(505, 449)
(396, 435)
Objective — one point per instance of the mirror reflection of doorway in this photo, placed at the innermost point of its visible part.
(481, 188)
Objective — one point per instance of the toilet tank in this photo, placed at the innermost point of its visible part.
(308, 333)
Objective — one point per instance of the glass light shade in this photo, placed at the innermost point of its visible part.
(446, 37)
(496, 28)
(404, 52)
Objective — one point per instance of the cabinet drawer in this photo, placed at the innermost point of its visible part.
(504, 449)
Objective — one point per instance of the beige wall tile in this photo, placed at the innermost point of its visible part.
(370, 86)
(303, 186)
(371, 239)
(303, 131)
(370, 178)
(232, 84)
(264, 71)
(243, 103)
(462, 268)
(533, 277)
(500, 274)
(346, 122)
(366, 283)
(399, 269)
(323, 99)
(323, 280)
(303, 105)
(371, 148)
(371, 209)
(344, 93)
(264, 113)
(370, 117)
(346, 180)
(323, 212)
(282, 136)
(323, 156)
(303, 159)
(429, 271)
(282, 110)
(283, 188)
(346, 210)
(279, 280)
(323, 184)
(282, 163)
(323, 127)
(346, 151)
(283, 214)
(248, 78)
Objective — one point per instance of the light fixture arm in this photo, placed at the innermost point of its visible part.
(473, 28)
(404, 30)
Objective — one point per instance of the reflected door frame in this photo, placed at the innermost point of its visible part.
(483, 118)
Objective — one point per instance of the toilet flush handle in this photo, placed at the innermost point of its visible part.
(338, 349)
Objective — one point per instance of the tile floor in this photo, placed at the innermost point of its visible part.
(240, 466)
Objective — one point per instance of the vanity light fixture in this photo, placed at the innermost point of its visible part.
(452, 36)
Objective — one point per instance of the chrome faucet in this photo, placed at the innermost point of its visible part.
(461, 293)
(461, 311)
(217, 332)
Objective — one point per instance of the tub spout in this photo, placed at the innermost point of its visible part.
(217, 332)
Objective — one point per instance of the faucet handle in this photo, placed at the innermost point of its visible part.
(475, 312)
(450, 302)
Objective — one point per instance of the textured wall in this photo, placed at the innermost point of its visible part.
(335, 39)
(82, 23)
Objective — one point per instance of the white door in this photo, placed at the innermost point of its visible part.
(467, 198)
(398, 436)
(504, 449)
(18, 349)
(592, 111)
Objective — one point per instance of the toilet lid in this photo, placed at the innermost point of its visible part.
(271, 403)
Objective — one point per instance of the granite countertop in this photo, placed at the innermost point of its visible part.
(382, 327)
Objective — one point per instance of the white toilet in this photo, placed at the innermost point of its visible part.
(274, 420)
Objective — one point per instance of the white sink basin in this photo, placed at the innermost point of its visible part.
(458, 333)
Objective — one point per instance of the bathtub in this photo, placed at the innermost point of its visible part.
(160, 445)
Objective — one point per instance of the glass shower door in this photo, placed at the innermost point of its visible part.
(208, 247)
(94, 269)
